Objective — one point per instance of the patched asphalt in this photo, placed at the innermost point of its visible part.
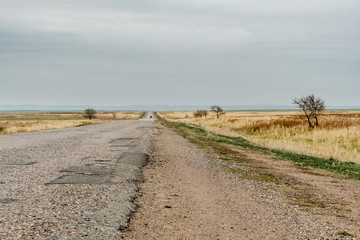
(75, 183)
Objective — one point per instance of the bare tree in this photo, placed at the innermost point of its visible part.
(218, 110)
(89, 113)
(312, 107)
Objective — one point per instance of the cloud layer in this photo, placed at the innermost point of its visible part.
(179, 52)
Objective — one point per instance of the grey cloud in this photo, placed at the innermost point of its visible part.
(178, 52)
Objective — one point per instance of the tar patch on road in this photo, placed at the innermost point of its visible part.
(89, 174)
(18, 163)
(87, 170)
(84, 175)
(122, 142)
(7, 200)
(137, 159)
(81, 179)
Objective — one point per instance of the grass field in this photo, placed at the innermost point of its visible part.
(28, 122)
(337, 137)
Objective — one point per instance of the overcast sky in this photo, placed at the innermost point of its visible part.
(119, 52)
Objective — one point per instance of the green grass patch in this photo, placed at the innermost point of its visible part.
(347, 169)
(142, 115)
(344, 233)
(84, 124)
(2, 128)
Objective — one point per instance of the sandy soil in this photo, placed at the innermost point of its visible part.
(188, 194)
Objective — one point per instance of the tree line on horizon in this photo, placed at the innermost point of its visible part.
(311, 106)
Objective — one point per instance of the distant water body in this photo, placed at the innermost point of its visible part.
(60, 111)
(257, 108)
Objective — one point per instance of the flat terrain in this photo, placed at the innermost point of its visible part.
(191, 193)
(337, 136)
(30, 122)
(74, 183)
(89, 182)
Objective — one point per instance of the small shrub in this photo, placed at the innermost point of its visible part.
(204, 113)
(89, 113)
(197, 114)
(200, 113)
(2, 128)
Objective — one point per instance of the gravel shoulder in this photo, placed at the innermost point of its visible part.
(188, 194)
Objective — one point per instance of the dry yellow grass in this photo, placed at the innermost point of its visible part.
(337, 137)
(29, 122)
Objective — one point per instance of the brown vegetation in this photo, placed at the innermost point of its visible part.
(200, 113)
(29, 122)
(338, 136)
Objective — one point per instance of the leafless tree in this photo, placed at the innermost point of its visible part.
(89, 113)
(312, 107)
(218, 110)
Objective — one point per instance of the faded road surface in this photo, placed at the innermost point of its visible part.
(72, 183)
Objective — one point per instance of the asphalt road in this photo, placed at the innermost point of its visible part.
(75, 183)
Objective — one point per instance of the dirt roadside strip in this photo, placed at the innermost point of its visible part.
(189, 194)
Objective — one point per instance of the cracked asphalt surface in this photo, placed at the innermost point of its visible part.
(75, 183)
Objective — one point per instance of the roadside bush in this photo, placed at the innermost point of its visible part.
(200, 113)
(89, 113)
(197, 114)
(204, 113)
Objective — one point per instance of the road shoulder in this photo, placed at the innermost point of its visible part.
(188, 195)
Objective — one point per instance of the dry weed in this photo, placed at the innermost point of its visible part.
(29, 122)
(337, 137)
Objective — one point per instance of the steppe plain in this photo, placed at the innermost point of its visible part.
(145, 179)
